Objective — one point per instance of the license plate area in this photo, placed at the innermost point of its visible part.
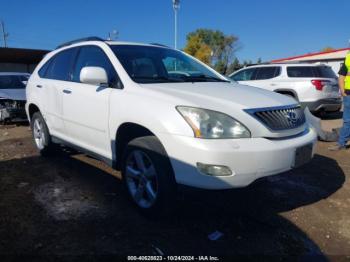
(303, 155)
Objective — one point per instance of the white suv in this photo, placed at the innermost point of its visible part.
(313, 85)
(163, 118)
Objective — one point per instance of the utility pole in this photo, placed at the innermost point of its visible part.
(4, 34)
(176, 6)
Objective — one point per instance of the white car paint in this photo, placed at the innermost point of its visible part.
(328, 99)
(89, 117)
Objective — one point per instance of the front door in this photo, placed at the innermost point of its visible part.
(86, 106)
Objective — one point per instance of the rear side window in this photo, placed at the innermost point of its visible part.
(60, 65)
(245, 75)
(311, 71)
(325, 72)
(300, 71)
(94, 56)
(267, 72)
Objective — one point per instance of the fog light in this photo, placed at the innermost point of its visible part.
(214, 170)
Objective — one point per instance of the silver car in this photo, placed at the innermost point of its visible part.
(12, 96)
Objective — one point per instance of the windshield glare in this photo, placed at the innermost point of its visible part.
(150, 64)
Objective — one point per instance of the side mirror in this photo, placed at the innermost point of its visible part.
(93, 75)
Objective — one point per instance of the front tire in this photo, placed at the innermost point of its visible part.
(148, 176)
(41, 135)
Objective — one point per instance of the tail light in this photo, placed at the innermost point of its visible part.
(319, 84)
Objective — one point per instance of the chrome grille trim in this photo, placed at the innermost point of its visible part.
(279, 118)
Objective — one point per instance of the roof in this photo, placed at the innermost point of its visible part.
(328, 55)
(21, 56)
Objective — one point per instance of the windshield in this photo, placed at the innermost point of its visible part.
(150, 64)
(13, 81)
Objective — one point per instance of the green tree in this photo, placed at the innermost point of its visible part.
(220, 47)
(234, 66)
(196, 47)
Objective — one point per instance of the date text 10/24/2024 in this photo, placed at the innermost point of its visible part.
(172, 258)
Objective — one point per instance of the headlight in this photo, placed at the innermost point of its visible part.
(211, 124)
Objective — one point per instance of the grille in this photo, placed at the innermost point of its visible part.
(280, 118)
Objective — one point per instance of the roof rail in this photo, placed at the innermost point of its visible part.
(91, 38)
(159, 45)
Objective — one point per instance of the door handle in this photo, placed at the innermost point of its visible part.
(39, 86)
(67, 91)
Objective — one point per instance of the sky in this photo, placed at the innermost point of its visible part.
(267, 29)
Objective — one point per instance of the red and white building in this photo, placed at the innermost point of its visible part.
(333, 58)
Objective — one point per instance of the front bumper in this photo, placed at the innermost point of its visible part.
(248, 159)
(328, 105)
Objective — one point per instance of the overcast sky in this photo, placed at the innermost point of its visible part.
(268, 29)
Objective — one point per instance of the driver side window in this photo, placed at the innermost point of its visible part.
(95, 56)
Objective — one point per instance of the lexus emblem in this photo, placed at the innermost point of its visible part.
(292, 117)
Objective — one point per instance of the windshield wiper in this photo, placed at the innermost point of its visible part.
(205, 78)
(158, 78)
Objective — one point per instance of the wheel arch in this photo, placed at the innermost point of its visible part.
(290, 92)
(124, 134)
(32, 108)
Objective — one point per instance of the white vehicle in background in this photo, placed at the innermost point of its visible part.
(12, 96)
(312, 85)
(163, 118)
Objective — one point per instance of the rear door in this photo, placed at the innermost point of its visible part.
(265, 77)
(86, 106)
(54, 77)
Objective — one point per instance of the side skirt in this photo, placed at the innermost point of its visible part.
(106, 160)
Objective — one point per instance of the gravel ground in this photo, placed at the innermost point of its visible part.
(71, 205)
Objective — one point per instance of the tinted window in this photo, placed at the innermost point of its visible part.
(311, 71)
(13, 82)
(42, 71)
(245, 75)
(150, 64)
(300, 71)
(94, 56)
(60, 65)
(325, 72)
(143, 67)
(267, 73)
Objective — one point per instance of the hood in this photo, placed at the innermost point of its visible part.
(211, 95)
(13, 94)
(228, 98)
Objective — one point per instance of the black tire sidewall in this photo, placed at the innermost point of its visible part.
(166, 193)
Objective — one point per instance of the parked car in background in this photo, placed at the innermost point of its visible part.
(312, 85)
(163, 118)
(12, 96)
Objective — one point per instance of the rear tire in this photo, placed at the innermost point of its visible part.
(41, 135)
(148, 176)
